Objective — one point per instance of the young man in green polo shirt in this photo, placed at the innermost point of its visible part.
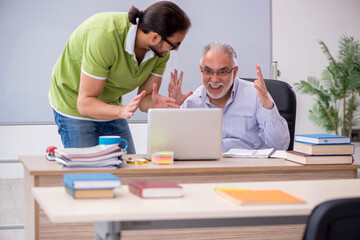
(107, 56)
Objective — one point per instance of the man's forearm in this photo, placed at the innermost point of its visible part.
(146, 103)
(95, 108)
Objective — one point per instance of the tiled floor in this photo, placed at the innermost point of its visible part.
(11, 208)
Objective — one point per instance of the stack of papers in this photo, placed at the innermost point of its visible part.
(248, 153)
(100, 156)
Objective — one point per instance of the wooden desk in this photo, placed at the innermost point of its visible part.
(38, 172)
(200, 205)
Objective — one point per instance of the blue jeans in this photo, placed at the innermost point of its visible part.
(84, 133)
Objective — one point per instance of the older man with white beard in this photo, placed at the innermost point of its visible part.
(251, 119)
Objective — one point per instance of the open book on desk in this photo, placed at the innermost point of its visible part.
(248, 153)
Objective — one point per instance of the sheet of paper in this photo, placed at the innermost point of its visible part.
(248, 153)
(279, 154)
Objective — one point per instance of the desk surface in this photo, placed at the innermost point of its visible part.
(199, 202)
(39, 172)
(38, 165)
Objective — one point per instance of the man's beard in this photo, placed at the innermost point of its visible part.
(225, 90)
(156, 49)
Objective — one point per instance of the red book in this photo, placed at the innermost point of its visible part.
(155, 189)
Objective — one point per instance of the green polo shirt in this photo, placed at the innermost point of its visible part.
(101, 48)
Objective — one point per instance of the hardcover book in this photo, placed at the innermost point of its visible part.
(155, 189)
(322, 139)
(91, 181)
(245, 196)
(324, 149)
(90, 193)
(306, 159)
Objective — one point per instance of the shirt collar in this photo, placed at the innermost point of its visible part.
(130, 44)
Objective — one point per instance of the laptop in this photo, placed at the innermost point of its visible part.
(191, 133)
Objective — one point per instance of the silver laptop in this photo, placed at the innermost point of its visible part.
(192, 133)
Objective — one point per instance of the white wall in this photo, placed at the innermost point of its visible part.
(297, 25)
(296, 28)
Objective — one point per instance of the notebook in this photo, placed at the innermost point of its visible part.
(192, 133)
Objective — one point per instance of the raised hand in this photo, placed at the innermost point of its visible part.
(174, 88)
(161, 101)
(129, 110)
(261, 90)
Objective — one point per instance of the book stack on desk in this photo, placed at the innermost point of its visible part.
(91, 185)
(314, 149)
(100, 156)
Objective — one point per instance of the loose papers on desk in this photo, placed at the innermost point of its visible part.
(100, 156)
(248, 153)
(88, 152)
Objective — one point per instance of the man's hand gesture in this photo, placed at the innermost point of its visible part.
(261, 90)
(161, 101)
(133, 105)
(175, 88)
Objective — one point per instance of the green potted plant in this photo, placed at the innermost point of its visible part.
(337, 92)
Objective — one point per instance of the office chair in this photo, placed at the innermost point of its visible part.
(285, 100)
(334, 220)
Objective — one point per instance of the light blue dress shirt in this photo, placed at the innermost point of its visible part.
(246, 123)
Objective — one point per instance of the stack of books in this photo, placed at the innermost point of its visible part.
(314, 149)
(100, 156)
(91, 185)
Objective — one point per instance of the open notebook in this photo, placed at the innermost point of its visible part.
(191, 133)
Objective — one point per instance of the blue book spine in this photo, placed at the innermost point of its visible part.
(70, 179)
(309, 143)
(322, 139)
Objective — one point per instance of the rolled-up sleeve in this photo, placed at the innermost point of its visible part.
(274, 129)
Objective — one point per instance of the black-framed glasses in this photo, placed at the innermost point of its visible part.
(174, 46)
(221, 73)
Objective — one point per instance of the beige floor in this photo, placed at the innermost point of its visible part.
(11, 207)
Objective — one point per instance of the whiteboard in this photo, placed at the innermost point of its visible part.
(34, 33)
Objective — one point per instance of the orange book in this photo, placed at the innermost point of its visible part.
(244, 196)
(90, 193)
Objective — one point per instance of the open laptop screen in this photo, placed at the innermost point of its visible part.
(192, 133)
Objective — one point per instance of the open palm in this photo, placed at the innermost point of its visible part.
(174, 88)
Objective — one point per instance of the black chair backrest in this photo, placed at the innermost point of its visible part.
(334, 219)
(285, 100)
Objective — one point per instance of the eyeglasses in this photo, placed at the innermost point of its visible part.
(221, 73)
(174, 46)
